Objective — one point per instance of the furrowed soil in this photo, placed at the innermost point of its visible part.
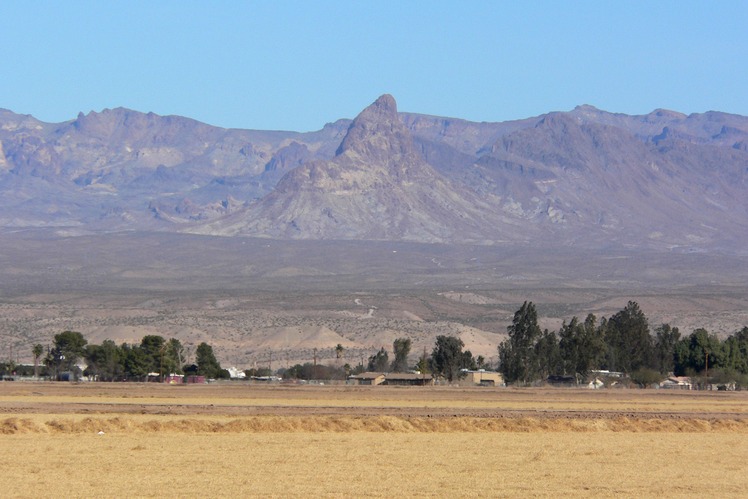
(217, 440)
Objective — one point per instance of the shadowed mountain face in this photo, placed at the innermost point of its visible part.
(584, 178)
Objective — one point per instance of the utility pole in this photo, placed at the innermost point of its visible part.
(314, 365)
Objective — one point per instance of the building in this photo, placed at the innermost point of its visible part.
(481, 377)
(677, 383)
(408, 379)
(367, 378)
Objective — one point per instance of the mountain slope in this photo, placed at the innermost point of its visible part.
(583, 178)
(376, 187)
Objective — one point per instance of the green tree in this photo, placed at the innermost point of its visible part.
(379, 362)
(154, 350)
(68, 348)
(548, 355)
(339, 351)
(581, 346)
(37, 351)
(646, 377)
(135, 362)
(699, 352)
(207, 364)
(628, 339)
(105, 361)
(736, 351)
(666, 338)
(174, 357)
(423, 364)
(401, 347)
(517, 360)
(447, 357)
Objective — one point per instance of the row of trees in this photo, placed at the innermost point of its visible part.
(622, 343)
(109, 361)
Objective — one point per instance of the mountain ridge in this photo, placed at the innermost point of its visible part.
(585, 178)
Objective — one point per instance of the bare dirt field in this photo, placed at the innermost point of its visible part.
(150, 440)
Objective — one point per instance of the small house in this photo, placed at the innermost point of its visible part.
(677, 383)
(367, 378)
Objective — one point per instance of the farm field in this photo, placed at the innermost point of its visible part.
(141, 440)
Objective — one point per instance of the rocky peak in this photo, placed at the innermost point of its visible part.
(377, 129)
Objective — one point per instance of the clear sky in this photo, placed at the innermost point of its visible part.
(296, 65)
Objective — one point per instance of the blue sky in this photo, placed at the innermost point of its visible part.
(296, 65)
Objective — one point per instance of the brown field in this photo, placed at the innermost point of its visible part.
(116, 440)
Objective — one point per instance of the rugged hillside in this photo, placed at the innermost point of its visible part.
(125, 169)
(377, 187)
(606, 177)
(584, 178)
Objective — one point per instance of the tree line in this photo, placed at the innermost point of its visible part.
(111, 362)
(622, 343)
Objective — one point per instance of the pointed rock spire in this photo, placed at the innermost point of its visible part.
(375, 126)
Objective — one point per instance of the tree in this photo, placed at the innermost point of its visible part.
(736, 351)
(517, 360)
(379, 362)
(153, 348)
(67, 350)
(37, 351)
(401, 347)
(628, 339)
(105, 361)
(699, 352)
(207, 365)
(422, 366)
(581, 346)
(175, 356)
(666, 338)
(339, 351)
(480, 362)
(645, 377)
(547, 355)
(447, 357)
(135, 362)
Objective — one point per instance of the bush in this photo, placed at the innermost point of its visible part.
(646, 377)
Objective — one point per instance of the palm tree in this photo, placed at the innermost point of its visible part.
(339, 351)
(37, 350)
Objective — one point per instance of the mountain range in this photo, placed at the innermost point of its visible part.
(584, 178)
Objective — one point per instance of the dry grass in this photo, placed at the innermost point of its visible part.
(369, 464)
(632, 443)
(147, 424)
